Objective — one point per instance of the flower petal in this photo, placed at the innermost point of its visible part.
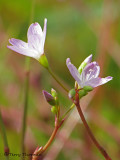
(97, 81)
(88, 59)
(18, 43)
(92, 70)
(34, 29)
(45, 27)
(44, 34)
(73, 70)
(84, 63)
(34, 42)
(36, 37)
(23, 51)
(21, 47)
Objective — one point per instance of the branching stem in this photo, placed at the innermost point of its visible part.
(40, 151)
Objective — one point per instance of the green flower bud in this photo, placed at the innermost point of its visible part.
(54, 110)
(88, 88)
(54, 93)
(43, 61)
(82, 93)
(71, 93)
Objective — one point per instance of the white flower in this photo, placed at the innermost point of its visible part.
(36, 40)
(89, 74)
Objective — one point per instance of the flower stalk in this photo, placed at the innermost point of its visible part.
(25, 104)
(100, 148)
(40, 150)
(56, 79)
(52, 136)
(27, 66)
(6, 147)
(65, 114)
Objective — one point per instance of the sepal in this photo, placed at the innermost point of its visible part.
(43, 61)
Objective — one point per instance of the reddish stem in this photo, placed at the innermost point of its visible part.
(40, 151)
(100, 148)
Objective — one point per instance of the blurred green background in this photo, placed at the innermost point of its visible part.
(75, 29)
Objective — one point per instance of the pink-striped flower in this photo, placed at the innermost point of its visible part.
(36, 39)
(88, 75)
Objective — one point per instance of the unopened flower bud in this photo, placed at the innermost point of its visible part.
(54, 93)
(54, 110)
(82, 93)
(71, 93)
(88, 88)
(49, 98)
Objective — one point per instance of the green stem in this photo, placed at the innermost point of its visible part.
(32, 11)
(71, 107)
(25, 105)
(27, 64)
(100, 148)
(6, 147)
(52, 74)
